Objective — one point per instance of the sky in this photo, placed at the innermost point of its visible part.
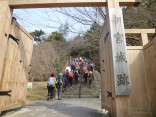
(49, 20)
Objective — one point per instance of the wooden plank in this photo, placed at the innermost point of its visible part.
(140, 100)
(7, 68)
(105, 70)
(148, 44)
(5, 22)
(134, 47)
(67, 3)
(121, 106)
(24, 31)
(18, 59)
(139, 31)
(144, 38)
(150, 55)
(121, 72)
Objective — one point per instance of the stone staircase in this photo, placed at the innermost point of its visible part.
(85, 91)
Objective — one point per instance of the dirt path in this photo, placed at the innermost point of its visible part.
(85, 107)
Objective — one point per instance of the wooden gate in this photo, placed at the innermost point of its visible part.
(150, 57)
(139, 99)
(115, 27)
(16, 66)
(105, 68)
(142, 67)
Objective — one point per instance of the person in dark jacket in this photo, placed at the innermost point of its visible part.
(76, 73)
(59, 83)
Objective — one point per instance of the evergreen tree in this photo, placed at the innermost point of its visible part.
(38, 35)
(57, 36)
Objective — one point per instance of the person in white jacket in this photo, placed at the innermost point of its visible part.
(51, 86)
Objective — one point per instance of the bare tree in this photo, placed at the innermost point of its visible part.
(78, 19)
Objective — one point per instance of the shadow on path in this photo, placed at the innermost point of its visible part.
(63, 108)
(70, 110)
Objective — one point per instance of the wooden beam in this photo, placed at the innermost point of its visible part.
(134, 47)
(139, 31)
(66, 3)
(142, 32)
(121, 91)
(144, 38)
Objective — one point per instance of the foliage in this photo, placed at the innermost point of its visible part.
(38, 35)
(143, 16)
(48, 57)
(57, 36)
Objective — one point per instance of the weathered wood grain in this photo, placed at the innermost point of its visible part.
(66, 3)
(16, 67)
(150, 60)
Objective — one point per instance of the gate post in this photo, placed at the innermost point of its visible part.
(5, 23)
(120, 78)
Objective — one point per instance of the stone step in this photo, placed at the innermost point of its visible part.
(77, 96)
(77, 93)
(86, 89)
(83, 88)
(70, 96)
(82, 92)
(86, 92)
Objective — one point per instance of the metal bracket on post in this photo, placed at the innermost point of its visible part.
(13, 38)
(109, 94)
(106, 36)
(5, 93)
(14, 18)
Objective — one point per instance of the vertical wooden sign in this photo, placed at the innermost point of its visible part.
(120, 63)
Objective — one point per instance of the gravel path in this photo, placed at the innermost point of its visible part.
(86, 107)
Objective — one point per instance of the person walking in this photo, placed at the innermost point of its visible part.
(67, 73)
(59, 83)
(76, 73)
(85, 73)
(51, 87)
(90, 79)
(70, 77)
(73, 64)
(65, 80)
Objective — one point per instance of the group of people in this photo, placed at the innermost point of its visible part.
(80, 68)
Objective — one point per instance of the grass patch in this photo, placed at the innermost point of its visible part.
(38, 91)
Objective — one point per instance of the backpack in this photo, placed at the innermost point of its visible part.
(70, 75)
(51, 81)
(59, 82)
(76, 73)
